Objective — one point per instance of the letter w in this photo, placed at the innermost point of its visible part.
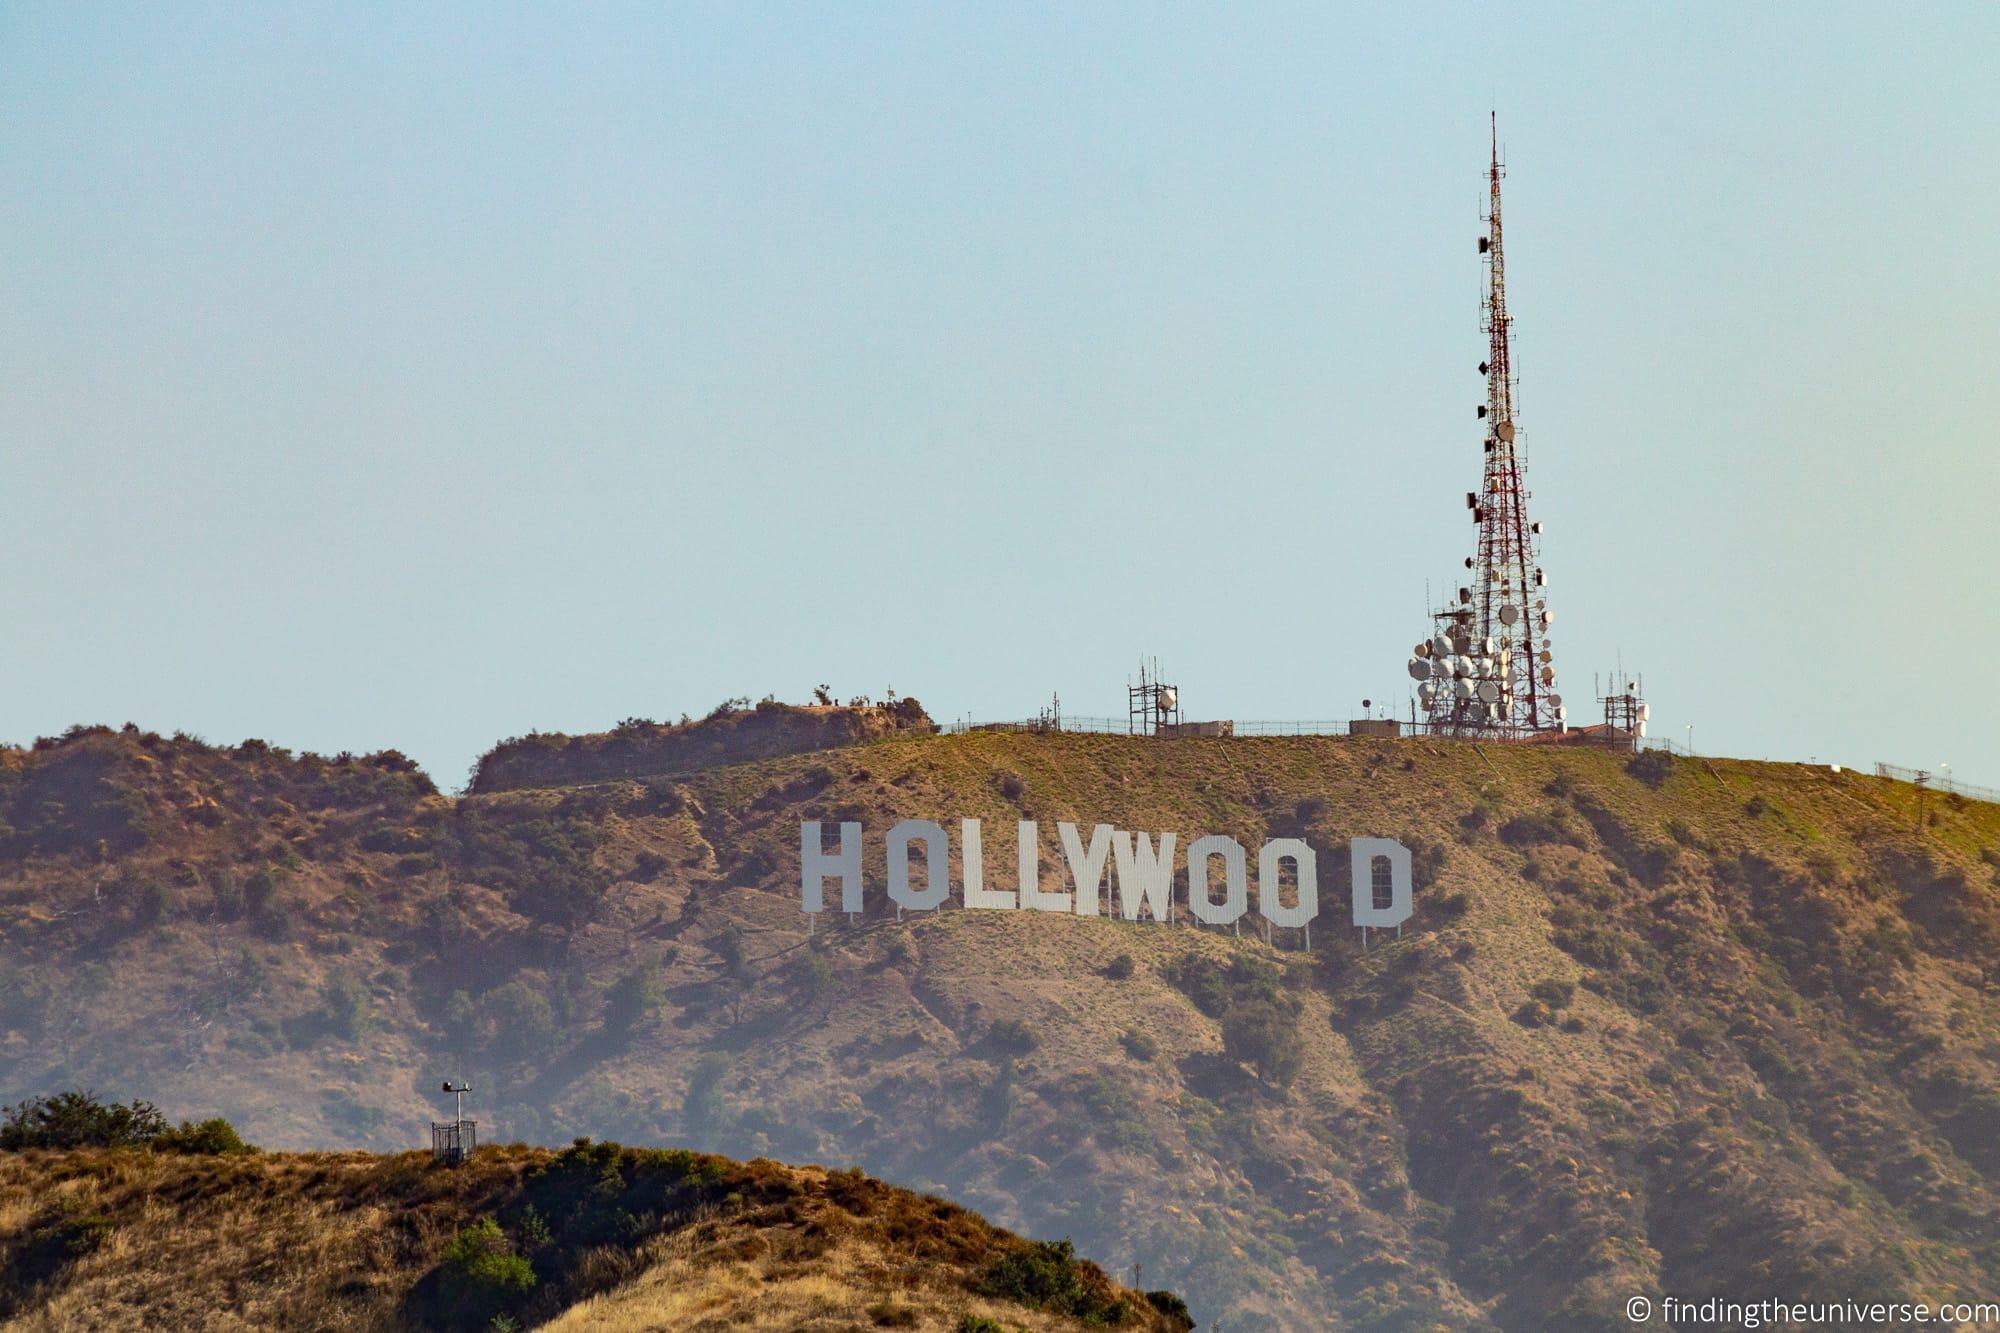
(1144, 879)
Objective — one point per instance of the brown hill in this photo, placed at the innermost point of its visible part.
(1704, 1027)
(734, 733)
(596, 1236)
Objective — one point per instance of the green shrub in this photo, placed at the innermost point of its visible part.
(1013, 1036)
(1554, 992)
(704, 1106)
(1170, 1305)
(479, 1271)
(1265, 1035)
(1041, 1273)
(1138, 1045)
(215, 1137)
(49, 1248)
(813, 976)
(1536, 828)
(1651, 767)
(633, 998)
(1119, 968)
(979, 1323)
(346, 1008)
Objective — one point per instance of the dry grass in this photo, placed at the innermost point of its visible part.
(317, 1241)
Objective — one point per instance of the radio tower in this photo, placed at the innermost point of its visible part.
(1487, 670)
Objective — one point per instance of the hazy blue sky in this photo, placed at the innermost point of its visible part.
(419, 375)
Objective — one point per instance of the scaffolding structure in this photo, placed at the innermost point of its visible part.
(1626, 711)
(1152, 707)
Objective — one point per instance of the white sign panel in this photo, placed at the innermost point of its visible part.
(1140, 864)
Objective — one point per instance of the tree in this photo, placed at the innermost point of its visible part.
(78, 1120)
(633, 998)
(521, 1019)
(1261, 1033)
(703, 1108)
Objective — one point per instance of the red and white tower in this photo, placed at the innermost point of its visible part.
(1487, 669)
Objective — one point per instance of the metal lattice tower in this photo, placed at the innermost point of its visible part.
(1488, 670)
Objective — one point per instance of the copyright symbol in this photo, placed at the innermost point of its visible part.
(1638, 1309)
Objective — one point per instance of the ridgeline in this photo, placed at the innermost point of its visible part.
(1657, 1025)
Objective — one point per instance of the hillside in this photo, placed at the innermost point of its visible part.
(1698, 1026)
(596, 1236)
(734, 733)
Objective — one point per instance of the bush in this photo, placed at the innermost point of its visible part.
(1170, 1305)
(704, 1106)
(1651, 767)
(1013, 1036)
(979, 1323)
(211, 1138)
(633, 998)
(1041, 1273)
(1265, 1035)
(1534, 829)
(78, 1120)
(1553, 992)
(346, 1008)
(1138, 1045)
(521, 1020)
(1120, 968)
(480, 1272)
(813, 976)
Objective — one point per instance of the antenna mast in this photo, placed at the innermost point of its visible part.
(1489, 671)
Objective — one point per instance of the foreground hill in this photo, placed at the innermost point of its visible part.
(1693, 1026)
(593, 1237)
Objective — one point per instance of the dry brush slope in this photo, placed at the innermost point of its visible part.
(1732, 1028)
(592, 1237)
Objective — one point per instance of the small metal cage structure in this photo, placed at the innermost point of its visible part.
(453, 1142)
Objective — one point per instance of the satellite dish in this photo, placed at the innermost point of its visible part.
(1476, 711)
(1642, 727)
(1423, 649)
(1462, 689)
(1367, 704)
(1548, 675)
(1169, 697)
(1555, 701)
(1486, 645)
(1440, 646)
(1509, 614)
(1548, 618)
(1419, 669)
(1562, 713)
(1645, 711)
(1425, 693)
(1489, 692)
(1440, 667)
(1505, 431)
(1546, 656)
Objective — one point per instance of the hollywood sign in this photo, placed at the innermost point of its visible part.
(1141, 864)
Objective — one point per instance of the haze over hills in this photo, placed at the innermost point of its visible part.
(1685, 1026)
